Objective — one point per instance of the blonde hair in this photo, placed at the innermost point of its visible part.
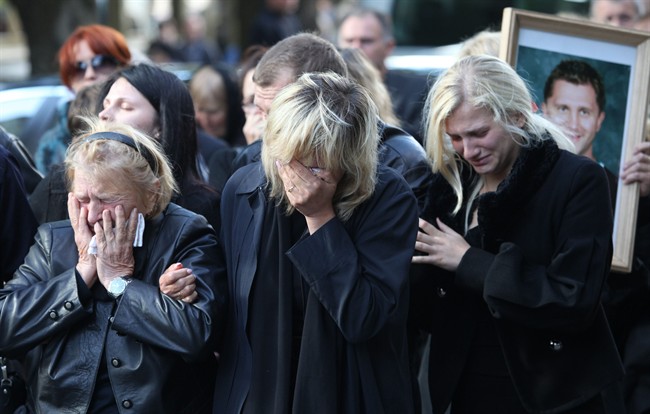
(330, 119)
(367, 75)
(483, 82)
(125, 155)
(485, 42)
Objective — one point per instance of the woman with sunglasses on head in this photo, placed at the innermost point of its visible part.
(89, 55)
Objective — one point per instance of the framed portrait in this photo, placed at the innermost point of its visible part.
(535, 43)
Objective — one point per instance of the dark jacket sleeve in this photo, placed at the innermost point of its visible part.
(37, 304)
(17, 223)
(564, 291)
(359, 270)
(151, 317)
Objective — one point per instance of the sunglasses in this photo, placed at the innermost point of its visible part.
(99, 63)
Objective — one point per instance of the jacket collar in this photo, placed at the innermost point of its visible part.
(495, 209)
(253, 180)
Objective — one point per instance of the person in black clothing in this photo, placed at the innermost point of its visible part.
(316, 244)
(574, 99)
(88, 314)
(305, 53)
(13, 144)
(514, 249)
(276, 21)
(17, 222)
(372, 32)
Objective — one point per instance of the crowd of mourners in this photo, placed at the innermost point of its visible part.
(314, 232)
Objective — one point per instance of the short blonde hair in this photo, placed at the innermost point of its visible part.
(124, 155)
(331, 119)
(484, 82)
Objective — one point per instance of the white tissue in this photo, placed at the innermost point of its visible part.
(137, 242)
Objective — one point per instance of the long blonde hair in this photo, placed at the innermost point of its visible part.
(484, 82)
(329, 118)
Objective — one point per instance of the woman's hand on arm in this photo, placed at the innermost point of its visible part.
(179, 283)
(443, 247)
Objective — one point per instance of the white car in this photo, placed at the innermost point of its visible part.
(29, 111)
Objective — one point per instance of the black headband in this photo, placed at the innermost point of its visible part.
(115, 136)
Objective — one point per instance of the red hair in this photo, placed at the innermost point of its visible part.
(103, 40)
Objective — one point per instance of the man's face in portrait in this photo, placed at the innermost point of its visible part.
(574, 108)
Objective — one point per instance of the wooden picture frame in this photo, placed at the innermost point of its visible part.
(533, 43)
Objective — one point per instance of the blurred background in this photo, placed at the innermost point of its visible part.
(32, 32)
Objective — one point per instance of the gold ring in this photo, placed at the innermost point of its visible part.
(291, 189)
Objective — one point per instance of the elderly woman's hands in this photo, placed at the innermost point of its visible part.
(115, 244)
(443, 246)
(86, 265)
(178, 283)
(637, 169)
(310, 191)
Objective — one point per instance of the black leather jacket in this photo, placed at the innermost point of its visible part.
(15, 146)
(401, 152)
(158, 351)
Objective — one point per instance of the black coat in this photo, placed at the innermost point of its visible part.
(544, 258)
(157, 349)
(357, 274)
(17, 223)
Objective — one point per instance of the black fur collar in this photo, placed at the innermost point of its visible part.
(495, 209)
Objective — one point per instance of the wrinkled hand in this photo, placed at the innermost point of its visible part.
(637, 168)
(86, 264)
(179, 283)
(443, 246)
(115, 244)
(310, 192)
(254, 125)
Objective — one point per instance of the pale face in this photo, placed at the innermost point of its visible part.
(365, 33)
(264, 95)
(92, 74)
(99, 194)
(623, 13)
(574, 108)
(125, 104)
(486, 145)
(212, 117)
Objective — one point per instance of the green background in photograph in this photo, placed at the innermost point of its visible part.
(534, 65)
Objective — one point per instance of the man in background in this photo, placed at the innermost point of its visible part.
(622, 13)
(372, 32)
